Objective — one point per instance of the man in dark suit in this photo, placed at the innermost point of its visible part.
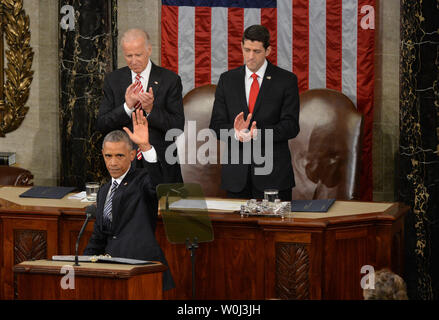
(267, 95)
(142, 84)
(126, 210)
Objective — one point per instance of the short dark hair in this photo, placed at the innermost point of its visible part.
(259, 33)
(118, 136)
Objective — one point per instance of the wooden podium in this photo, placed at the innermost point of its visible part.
(46, 279)
(307, 255)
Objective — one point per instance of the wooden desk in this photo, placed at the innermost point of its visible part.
(306, 256)
(42, 279)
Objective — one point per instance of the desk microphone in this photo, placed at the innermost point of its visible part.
(177, 190)
(90, 212)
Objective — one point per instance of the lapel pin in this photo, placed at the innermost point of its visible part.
(155, 82)
(268, 77)
(125, 183)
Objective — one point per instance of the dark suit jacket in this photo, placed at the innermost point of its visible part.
(167, 111)
(276, 108)
(135, 209)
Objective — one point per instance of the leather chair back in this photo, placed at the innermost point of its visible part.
(326, 153)
(198, 104)
(15, 176)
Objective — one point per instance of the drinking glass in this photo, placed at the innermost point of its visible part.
(271, 194)
(91, 190)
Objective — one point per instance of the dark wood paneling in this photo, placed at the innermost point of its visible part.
(33, 285)
(69, 231)
(249, 258)
(230, 267)
(25, 238)
(347, 251)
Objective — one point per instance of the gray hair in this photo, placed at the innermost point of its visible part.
(135, 33)
(388, 286)
(118, 136)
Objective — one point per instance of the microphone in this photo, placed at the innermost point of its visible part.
(182, 191)
(90, 212)
(177, 190)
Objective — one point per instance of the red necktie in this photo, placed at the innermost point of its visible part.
(137, 106)
(254, 90)
(139, 154)
(138, 84)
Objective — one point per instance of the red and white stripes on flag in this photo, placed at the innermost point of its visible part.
(326, 43)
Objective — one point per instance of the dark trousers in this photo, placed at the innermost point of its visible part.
(250, 192)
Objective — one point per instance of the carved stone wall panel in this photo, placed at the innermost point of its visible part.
(292, 271)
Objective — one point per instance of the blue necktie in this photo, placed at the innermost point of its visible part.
(108, 216)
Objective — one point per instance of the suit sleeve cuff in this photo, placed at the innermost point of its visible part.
(150, 155)
(236, 135)
(128, 110)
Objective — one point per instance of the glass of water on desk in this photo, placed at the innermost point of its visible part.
(271, 195)
(91, 190)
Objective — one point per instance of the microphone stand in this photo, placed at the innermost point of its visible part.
(87, 217)
(192, 246)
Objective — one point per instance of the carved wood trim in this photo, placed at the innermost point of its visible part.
(29, 245)
(292, 271)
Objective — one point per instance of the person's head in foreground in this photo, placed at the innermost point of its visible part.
(388, 286)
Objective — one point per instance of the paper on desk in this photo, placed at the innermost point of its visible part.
(78, 196)
(226, 205)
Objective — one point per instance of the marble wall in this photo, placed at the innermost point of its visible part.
(419, 129)
(85, 53)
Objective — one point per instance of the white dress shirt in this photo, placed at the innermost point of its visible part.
(249, 79)
(150, 156)
(118, 180)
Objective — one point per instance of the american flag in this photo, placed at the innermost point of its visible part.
(326, 43)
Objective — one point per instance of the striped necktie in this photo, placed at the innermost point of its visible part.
(138, 83)
(108, 215)
(137, 106)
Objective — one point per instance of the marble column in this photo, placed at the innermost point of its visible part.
(86, 54)
(418, 152)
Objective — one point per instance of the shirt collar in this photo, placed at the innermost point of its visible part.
(120, 179)
(144, 74)
(260, 72)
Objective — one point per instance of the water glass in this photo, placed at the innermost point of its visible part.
(91, 190)
(271, 194)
